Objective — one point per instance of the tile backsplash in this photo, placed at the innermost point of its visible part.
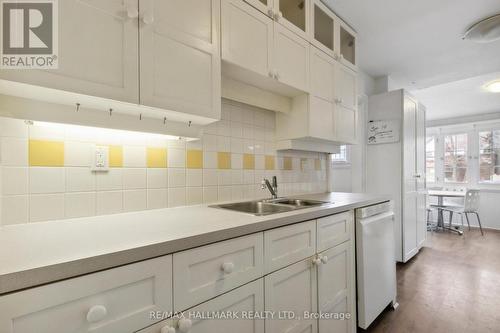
(46, 175)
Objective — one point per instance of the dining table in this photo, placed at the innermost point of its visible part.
(441, 194)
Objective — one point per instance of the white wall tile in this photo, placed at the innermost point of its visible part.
(259, 147)
(176, 158)
(47, 180)
(259, 175)
(248, 146)
(14, 180)
(134, 178)
(79, 180)
(237, 192)
(224, 177)
(224, 193)
(109, 180)
(210, 160)
(224, 128)
(10, 127)
(14, 152)
(47, 131)
(210, 128)
(210, 194)
(236, 161)
(236, 129)
(176, 177)
(236, 145)
(157, 178)
(260, 118)
(194, 195)
(209, 142)
(248, 132)
(248, 176)
(109, 202)
(259, 133)
(223, 143)
(157, 198)
(177, 144)
(210, 177)
(260, 163)
(14, 209)
(79, 204)
(134, 156)
(194, 177)
(248, 116)
(46, 207)
(134, 200)
(78, 153)
(236, 177)
(176, 197)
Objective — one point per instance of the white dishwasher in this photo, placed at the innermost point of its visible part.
(375, 261)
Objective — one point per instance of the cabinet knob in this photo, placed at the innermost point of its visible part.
(96, 313)
(335, 56)
(184, 325)
(324, 259)
(278, 16)
(276, 75)
(339, 100)
(271, 73)
(132, 12)
(167, 329)
(148, 18)
(316, 261)
(270, 13)
(227, 267)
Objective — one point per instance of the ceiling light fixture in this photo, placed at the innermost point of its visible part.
(484, 31)
(493, 86)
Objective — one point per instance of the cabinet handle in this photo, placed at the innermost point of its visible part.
(278, 16)
(316, 261)
(167, 329)
(324, 259)
(335, 56)
(339, 100)
(96, 313)
(184, 325)
(227, 267)
(271, 73)
(132, 12)
(148, 18)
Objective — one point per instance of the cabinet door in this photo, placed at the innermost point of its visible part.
(180, 62)
(322, 68)
(421, 180)
(323, 29)
(98, 58)
(347, 46)
(321, 123)
(247, 37)
(346, 122)
(294, 15)
(265, 6)
(294, 289)
(345, 87)
(291, 58)
(335, 288)
(248, 299)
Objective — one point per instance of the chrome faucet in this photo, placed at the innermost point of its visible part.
(272, 188)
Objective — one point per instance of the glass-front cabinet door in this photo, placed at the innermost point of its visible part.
(347, 46)
(293, 14)
(323, 28)
(265, 6)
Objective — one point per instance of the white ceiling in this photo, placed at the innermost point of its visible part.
(418, 44)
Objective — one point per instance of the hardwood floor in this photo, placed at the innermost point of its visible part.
(452, 285)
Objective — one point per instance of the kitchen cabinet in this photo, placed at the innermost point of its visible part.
(294, 15)
(398, 168)
(179, 56)
(248, 299)
(345, 86)
(323, 32)
(347, 46)
(292, 289)
(99, 59)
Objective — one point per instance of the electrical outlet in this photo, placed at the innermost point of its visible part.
(101, 159)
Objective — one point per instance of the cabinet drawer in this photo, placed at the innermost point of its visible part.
(247, 299)
(205, 272)
(334, 230)
(116, 300)
(290, 244)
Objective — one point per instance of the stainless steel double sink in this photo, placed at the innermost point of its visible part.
(271, 206)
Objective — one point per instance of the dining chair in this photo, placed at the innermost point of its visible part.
(471, 206)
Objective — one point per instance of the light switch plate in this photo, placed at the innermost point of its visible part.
(100, 161)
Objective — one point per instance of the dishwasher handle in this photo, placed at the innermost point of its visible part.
(376, 218)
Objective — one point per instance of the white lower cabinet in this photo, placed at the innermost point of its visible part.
(291, 292)
(118, 300)
(243, 301)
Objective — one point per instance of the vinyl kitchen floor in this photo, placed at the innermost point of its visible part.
(452, 285)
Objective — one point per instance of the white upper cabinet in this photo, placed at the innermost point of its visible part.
(347, 46)
(322, 75)
(247, 37)
(265, 6)
(345, 87)
(293, 14)
(98, 59)
(323, 28)
(180, 62)
(290, 58)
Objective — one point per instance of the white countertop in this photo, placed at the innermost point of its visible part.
(39, 253)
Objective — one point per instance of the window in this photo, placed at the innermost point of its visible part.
(455, 158)
(342, 156)
(430, 159)
(489, 156)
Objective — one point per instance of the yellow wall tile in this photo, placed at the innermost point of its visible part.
(115, 156)
(248, 161)
(287, 163)
(223, 160)
(194, 159)
(46, 153)
(156, 157)
(317, 164)
(270, 162)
